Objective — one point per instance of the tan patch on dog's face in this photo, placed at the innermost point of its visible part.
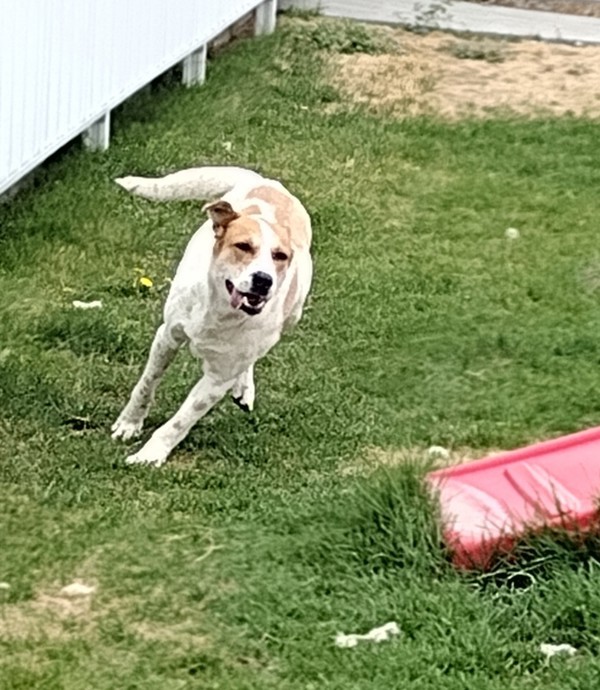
(282, 251)
(253, 210)
(288, 214)
(240, 242)
(283, 209)
(280, 203)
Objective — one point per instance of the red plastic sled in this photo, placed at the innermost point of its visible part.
(488, 504)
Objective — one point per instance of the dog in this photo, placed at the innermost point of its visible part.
(243, 280)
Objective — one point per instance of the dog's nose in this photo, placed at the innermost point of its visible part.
(261, 282)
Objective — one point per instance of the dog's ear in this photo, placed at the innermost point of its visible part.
(221, 213)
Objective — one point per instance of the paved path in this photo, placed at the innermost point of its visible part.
(463, 16)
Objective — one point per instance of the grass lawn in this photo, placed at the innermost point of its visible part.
(235, 565)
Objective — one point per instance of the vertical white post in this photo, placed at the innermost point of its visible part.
(265, 17)
(97, 137)
(194, 67)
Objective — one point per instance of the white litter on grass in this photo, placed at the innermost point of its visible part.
(381, 634)
(96, 304)
(4, 585)
(551, 650)
(512, 234)
(77, 589)
(438, 452)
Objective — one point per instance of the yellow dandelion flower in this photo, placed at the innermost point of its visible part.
(146, 282)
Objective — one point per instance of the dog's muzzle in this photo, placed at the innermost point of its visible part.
(251, 302)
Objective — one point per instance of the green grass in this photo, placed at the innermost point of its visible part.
(235, 565)
(479, 49)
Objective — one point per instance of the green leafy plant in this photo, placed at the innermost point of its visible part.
(487, 50)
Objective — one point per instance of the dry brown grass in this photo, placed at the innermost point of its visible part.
(52, 615)
(527, 78)
(49, 616)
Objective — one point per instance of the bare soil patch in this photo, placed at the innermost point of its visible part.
(444, 75)
(374, 458)
(48, 616)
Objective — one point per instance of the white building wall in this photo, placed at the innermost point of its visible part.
(65, 63)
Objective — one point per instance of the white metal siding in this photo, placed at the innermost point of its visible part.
(64, 63)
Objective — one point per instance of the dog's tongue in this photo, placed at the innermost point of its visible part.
(235, 298)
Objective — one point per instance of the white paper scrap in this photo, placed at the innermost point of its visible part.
(77, 589)
(381, 634)
(96, 304)
(551, 650)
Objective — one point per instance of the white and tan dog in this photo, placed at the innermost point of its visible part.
(243, 279)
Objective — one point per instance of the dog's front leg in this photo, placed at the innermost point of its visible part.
(204, 395)
(243, 390)
(162, 352)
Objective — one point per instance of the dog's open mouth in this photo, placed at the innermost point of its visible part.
(248, 302)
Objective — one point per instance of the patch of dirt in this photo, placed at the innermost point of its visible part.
(376, 458)
(48, 616)
(584, 8)
(243, 28)
(58, 613)
(184, 633)
(440, 74)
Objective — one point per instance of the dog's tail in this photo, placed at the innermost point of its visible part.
(193, 183)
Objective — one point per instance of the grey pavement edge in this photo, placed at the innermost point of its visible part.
(462, 17)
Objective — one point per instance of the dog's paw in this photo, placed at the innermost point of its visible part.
(243, 391)
(152, 453)
(123, 429)
(243, 396)
(246, 407)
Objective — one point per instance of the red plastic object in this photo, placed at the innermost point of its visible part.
(488, 504)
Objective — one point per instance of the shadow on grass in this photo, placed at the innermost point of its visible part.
(538, 555)
(392, 525)
(88, 332)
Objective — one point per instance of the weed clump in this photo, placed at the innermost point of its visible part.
(345, 37)
(486, 50)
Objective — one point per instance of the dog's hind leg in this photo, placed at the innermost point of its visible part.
(163, 350)
(203, 396)
(243, 390)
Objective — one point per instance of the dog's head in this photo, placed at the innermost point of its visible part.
(251, 256)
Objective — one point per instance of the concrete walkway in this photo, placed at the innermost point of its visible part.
(462, 16)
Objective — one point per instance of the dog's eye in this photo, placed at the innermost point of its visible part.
(244, 246)
(280, 256)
